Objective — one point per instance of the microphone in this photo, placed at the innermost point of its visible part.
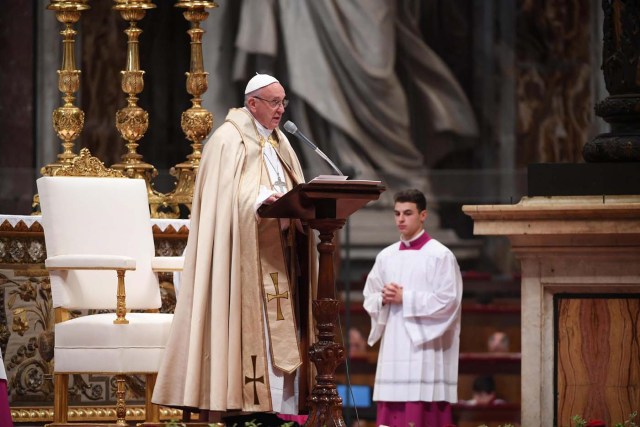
(290, 127)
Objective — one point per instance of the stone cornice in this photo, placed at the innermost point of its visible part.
(586, 215)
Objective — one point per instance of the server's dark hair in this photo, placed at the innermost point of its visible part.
(413, 196)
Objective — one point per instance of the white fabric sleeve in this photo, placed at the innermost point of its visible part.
(263, 195)
(373, 304)
(429, 314)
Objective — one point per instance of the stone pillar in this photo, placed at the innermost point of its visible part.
(620, 65)
(580, 260)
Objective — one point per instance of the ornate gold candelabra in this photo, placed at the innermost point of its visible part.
(68, 120)
(196, 122)
(132, 121)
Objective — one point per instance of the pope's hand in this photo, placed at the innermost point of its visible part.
(272, 198)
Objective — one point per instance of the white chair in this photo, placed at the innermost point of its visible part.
(96, 229)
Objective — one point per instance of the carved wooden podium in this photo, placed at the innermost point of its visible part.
(325, 206)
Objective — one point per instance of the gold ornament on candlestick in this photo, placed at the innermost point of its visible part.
(196, 122)
(68, 120)
(132, 121)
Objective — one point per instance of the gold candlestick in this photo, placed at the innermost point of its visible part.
(68, 120)
(132, 121)
(196, 122)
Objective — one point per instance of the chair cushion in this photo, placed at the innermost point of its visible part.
(95, 344)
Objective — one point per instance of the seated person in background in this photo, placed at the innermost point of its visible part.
(498, 342)
(484, 392)
(357, 343)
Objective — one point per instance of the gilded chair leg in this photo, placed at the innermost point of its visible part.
(60, 398)
(121, 409)
(152, 412)
(121, 306)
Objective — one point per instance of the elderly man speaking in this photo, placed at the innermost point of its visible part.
(234, 345)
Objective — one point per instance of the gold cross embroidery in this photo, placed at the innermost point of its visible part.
(254, 380)
(277, 295)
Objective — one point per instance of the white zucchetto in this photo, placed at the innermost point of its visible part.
(259, 81)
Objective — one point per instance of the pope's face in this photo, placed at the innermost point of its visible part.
(408, 220)
(261, 106)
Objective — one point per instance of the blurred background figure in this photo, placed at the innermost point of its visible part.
(357, 343)
(484, 392)
(498, 342)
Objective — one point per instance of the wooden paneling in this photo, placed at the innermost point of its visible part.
(598, 358)
(479, 321)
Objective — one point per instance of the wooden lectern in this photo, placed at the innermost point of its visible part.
(325, 206)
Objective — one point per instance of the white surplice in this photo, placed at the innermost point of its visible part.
(418, 359)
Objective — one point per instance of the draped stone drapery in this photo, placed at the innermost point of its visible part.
(360, 76)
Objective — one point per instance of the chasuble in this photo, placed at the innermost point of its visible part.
(234, 342)
(418, 359)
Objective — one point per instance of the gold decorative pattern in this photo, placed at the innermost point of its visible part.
(22, 244)
(87, 165)
(132, 121)
(88, 414)
(196, 122)
(277, 295)
(68, 120)
(121, 307)
(553, 82)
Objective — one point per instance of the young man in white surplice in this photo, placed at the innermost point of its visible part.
(413, 295)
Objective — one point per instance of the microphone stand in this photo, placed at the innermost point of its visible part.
(293, 129)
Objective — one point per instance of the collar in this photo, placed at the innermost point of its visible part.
(416, 243)
(262, 131)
